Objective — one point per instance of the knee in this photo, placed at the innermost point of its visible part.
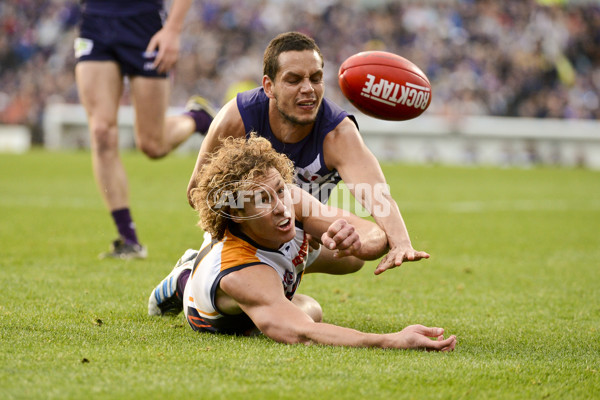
(105, 136)
(153, 149)
(310, 306)
(315, 312)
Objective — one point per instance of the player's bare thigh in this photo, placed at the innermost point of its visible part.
(100, 86)
(150, 100)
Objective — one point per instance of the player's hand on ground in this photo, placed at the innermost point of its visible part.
(397, 255)
(420, 337)
(166, 45)
(342, 237)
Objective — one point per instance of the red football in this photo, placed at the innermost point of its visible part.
(385, 85)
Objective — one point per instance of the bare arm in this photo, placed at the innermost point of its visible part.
(338, 229)
(167, 40)
(345, 151)
(227, 122)
(258, 292)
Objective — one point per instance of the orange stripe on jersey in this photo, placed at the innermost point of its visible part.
(236, 252)
(210, 314)
(200, 324)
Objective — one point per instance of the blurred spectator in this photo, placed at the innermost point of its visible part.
(511, 58)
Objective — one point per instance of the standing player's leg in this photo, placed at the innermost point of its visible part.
(156, 134)
(150, 97)
(100, 86)
(200, 111)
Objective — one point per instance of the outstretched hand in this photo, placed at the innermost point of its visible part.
(419, 337)
(397, 255)
(342, 237)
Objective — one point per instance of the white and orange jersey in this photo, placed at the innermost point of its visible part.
(234, 252)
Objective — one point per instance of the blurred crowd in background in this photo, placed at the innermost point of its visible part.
(483, 57)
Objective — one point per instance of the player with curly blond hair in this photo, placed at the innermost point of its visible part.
(244, 278)
(234, 170)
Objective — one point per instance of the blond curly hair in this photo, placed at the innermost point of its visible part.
(235, 165)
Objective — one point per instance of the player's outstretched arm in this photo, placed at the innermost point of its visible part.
(257, 291)
(346, 152)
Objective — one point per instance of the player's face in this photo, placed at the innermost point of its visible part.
(298, 87)
(269, 219)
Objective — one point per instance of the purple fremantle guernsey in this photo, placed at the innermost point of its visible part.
(121, 8)
(312, 174)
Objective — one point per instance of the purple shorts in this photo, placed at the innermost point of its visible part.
(120, 39)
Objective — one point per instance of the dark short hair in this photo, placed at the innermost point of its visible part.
(289, 41)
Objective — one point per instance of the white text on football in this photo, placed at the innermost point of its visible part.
(392, 93)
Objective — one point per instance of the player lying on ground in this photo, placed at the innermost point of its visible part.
(244, 278)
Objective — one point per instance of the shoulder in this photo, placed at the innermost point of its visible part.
(332, 115)
(256, 94)
(343, 139)
(228, 122)
(241, 267)
(332, 108)
(251, 98)
(237, 253)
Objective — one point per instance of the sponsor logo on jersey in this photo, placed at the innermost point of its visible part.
(302, 252)
(83, 47)
(392, 93)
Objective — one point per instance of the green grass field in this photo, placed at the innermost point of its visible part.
(514, 273)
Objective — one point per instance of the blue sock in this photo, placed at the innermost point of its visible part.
(125, 225)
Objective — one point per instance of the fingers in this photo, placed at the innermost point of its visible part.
(443, 345)
(341, 236)
(396, 257)
(439, 344)
(430, 332)
(163, 61)
(152, 45)
(154, 50)
(411, 255)
(384, 265)
(420, 337)
(166, 50)
(415, 256)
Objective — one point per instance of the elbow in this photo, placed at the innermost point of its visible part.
(286, 335)
(375, 245)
